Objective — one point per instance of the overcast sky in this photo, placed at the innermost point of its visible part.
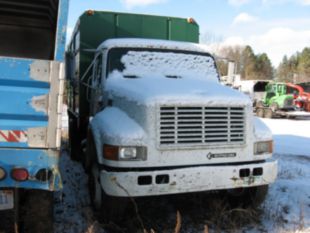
(276, 27)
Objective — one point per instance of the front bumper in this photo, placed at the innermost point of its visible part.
(191, 179)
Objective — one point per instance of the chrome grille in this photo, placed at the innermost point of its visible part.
(201, 125)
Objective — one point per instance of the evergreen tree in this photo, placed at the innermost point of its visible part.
(303, 67)
(284, 72)
(247, 63)
(263, 67)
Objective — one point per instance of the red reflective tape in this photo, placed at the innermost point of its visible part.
(13, 136)
(17, 133)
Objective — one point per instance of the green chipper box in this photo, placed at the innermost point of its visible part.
(93, 28)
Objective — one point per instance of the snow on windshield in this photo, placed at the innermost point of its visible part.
(141, 63)
(151, 77)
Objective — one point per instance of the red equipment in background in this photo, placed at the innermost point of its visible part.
(301, 98)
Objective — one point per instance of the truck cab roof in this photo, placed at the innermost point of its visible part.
(152, 43)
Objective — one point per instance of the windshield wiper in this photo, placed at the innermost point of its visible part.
(131, 76)
(173, 76)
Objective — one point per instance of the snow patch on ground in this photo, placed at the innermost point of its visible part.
(72, 211)
(290, 136)
(287, 207)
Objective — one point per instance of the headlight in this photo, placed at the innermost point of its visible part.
(263, 147)
(128, 153)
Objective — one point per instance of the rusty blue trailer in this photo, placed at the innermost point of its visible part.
(32, 45)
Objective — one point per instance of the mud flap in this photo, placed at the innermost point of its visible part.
(37, 212)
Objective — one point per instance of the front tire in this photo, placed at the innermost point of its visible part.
(91, 153)
(95, 190)
(111, 209)
(74, 147)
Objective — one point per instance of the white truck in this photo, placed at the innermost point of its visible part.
(161, 123)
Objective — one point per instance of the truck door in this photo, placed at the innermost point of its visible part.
(95, 91)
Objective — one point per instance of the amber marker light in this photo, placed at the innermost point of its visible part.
(90, 12)
(191, 20)
(2, 173)
(110, 152)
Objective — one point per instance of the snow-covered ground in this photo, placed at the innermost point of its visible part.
(286, 209)
(291, 136)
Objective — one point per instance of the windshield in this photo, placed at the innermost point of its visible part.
(139, 62)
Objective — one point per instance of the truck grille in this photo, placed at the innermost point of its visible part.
(201, 125)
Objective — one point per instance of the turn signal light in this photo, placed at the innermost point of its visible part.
(20, 174)
(110, 152)
(2, 173)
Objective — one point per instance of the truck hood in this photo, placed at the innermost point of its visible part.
(182, 90)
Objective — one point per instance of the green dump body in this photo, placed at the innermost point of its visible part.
(94, 27)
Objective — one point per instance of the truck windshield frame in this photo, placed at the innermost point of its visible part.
(115, 54)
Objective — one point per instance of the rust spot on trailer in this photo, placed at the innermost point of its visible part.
(40, 103)
(56, 182)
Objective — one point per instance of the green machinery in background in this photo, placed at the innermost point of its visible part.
(276, 101)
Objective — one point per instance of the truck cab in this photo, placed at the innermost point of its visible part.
(161, 123)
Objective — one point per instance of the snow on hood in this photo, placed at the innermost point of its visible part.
(261, 130)
(116, 127)
(189, 89)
